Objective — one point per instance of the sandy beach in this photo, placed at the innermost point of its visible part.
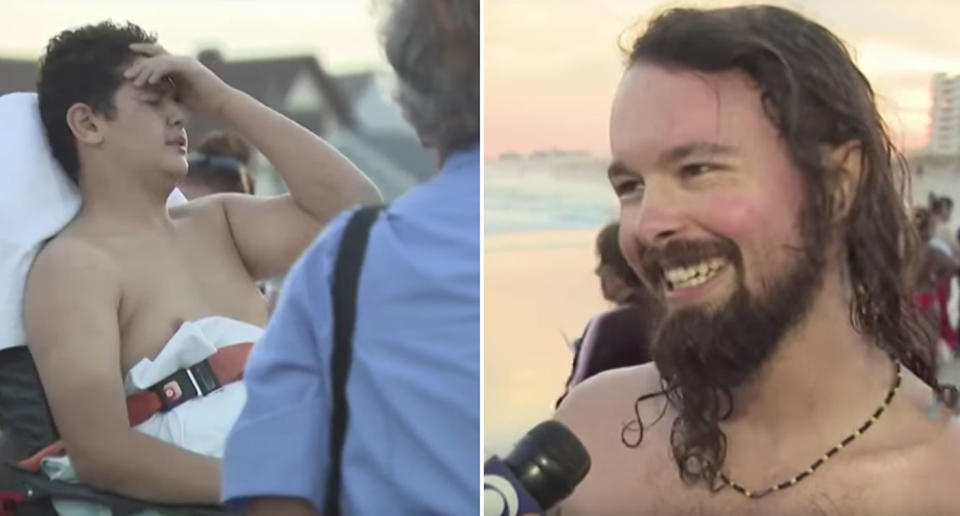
(538, 287)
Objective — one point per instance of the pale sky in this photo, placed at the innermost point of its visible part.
(551, 66)
(342, 33)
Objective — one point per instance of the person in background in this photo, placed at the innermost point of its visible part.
(412, 439)
(619, 337)
(219, 165)
(933, 267)
(940, 210)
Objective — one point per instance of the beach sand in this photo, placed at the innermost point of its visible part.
(538, 287)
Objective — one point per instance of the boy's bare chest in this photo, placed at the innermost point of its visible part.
(165, 284)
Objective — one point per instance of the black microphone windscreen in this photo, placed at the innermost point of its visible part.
(549, 461)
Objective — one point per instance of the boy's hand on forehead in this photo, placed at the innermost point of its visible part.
(199, 89)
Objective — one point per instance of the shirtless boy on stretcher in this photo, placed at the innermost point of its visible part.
(115, 284)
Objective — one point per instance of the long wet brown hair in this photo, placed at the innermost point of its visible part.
(818, 99)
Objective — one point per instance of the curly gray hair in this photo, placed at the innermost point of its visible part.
(434, 48)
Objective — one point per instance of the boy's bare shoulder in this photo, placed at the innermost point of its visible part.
(72, 292)
(69, 261)
(72, 251)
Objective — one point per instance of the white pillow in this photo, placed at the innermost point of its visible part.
(37, 200)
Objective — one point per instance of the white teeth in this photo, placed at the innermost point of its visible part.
(693, 275)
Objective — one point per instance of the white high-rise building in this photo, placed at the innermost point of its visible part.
(945, 115)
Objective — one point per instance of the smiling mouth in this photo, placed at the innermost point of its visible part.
(677, 278)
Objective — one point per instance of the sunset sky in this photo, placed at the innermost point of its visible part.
(551, 66)
(341, 32)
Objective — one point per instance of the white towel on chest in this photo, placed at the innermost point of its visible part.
(201, 424)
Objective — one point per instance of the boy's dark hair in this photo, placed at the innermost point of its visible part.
(82, 65)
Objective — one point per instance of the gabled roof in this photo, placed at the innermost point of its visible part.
(271, 79)
(354, 84)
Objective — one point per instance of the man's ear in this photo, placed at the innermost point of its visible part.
(846, 162)
(84, 124)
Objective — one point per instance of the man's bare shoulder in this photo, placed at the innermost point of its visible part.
(924, 479)
(917, 458)
(605, 412)
(602, 406)
(942, 453)
(609, 388)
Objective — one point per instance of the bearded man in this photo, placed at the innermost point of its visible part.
(763, 199)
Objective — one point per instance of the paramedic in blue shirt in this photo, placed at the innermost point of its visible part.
(413, 435)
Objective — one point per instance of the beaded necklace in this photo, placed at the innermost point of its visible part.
(830, 453)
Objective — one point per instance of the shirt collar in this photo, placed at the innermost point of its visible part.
(467, 158)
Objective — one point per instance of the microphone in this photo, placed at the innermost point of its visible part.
(542, 470)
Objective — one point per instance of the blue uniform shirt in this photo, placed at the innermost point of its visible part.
(413, 437)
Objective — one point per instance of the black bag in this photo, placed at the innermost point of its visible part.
(353, 248)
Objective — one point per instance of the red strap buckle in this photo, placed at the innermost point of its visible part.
(222, 368)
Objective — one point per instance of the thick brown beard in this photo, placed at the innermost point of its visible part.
(702, 356)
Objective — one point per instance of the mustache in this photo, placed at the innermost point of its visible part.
(680, 253)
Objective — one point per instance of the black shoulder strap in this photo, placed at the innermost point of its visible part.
(353, 247)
